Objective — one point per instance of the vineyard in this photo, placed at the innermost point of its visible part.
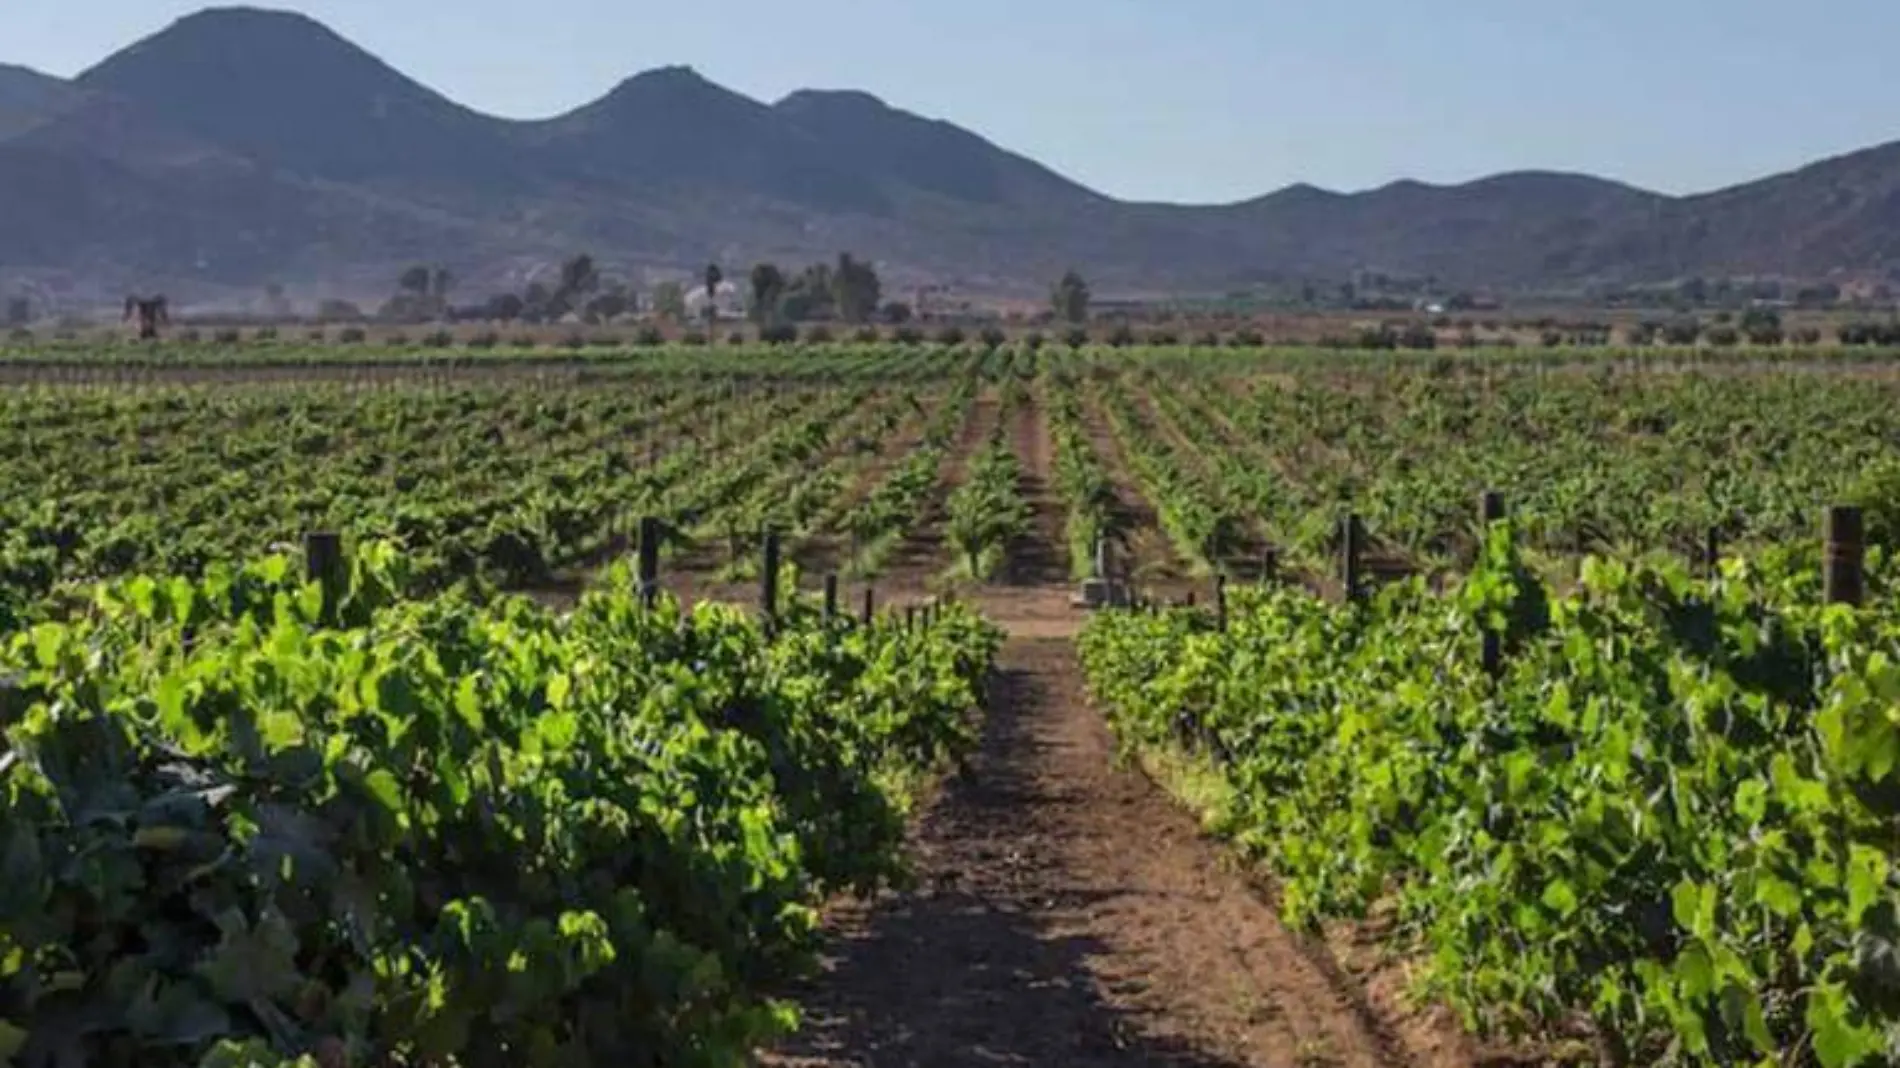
(1603, 772)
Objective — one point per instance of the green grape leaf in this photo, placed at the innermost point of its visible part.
(252, 961)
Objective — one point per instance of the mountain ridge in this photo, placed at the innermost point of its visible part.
(355, 166)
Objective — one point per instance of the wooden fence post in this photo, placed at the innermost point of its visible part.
(831, 597)
(1712, 551)
(910, 617)
(768, 582)
(649, 560)
(1491, 656)
(323, 564)
(1270, 566)
(870, 606)
(1220, 602)
(1843, 556)
(1349, 552)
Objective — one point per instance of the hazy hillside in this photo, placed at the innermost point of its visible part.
(28, 98)
(239, 146)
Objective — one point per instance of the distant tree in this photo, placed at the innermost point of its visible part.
(669, 300)
(416, 280)
(608, 305)
(332, 310)
(809, 296)
(1418, 336)
(1762, 326)
(579, 277)
(1070, 298)
(855, 289)
(537, 302)
(896, 312)
(1684, 331)
(19, 311)
(1825, 295)
(504, 308)
(712, 278)
(768, 287)
(439, 282)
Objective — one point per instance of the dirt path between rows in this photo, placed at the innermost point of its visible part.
(1066, 911)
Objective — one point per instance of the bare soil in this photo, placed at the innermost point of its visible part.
(1038, 558)
(1068, 913)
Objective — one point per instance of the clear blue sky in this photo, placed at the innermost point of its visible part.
(1190, 100)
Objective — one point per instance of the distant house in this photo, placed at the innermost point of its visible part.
(729, 301)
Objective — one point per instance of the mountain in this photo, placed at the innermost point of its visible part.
(1840, 213)
(1514, 226)
(864, 135)
(285, 90)
(673, 131)
(239, 146)
(28, 98)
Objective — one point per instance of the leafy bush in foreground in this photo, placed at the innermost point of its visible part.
(241, 823)
(1672, 816)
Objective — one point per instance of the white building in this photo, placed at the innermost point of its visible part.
(729, 301)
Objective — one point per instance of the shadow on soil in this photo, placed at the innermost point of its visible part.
(966, 968)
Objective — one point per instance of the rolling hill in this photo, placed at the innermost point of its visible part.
(239, 146)
(28, 98)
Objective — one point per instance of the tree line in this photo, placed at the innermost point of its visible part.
(846, 290)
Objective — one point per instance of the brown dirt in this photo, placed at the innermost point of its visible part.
(1067, 913)
(1037, 558)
